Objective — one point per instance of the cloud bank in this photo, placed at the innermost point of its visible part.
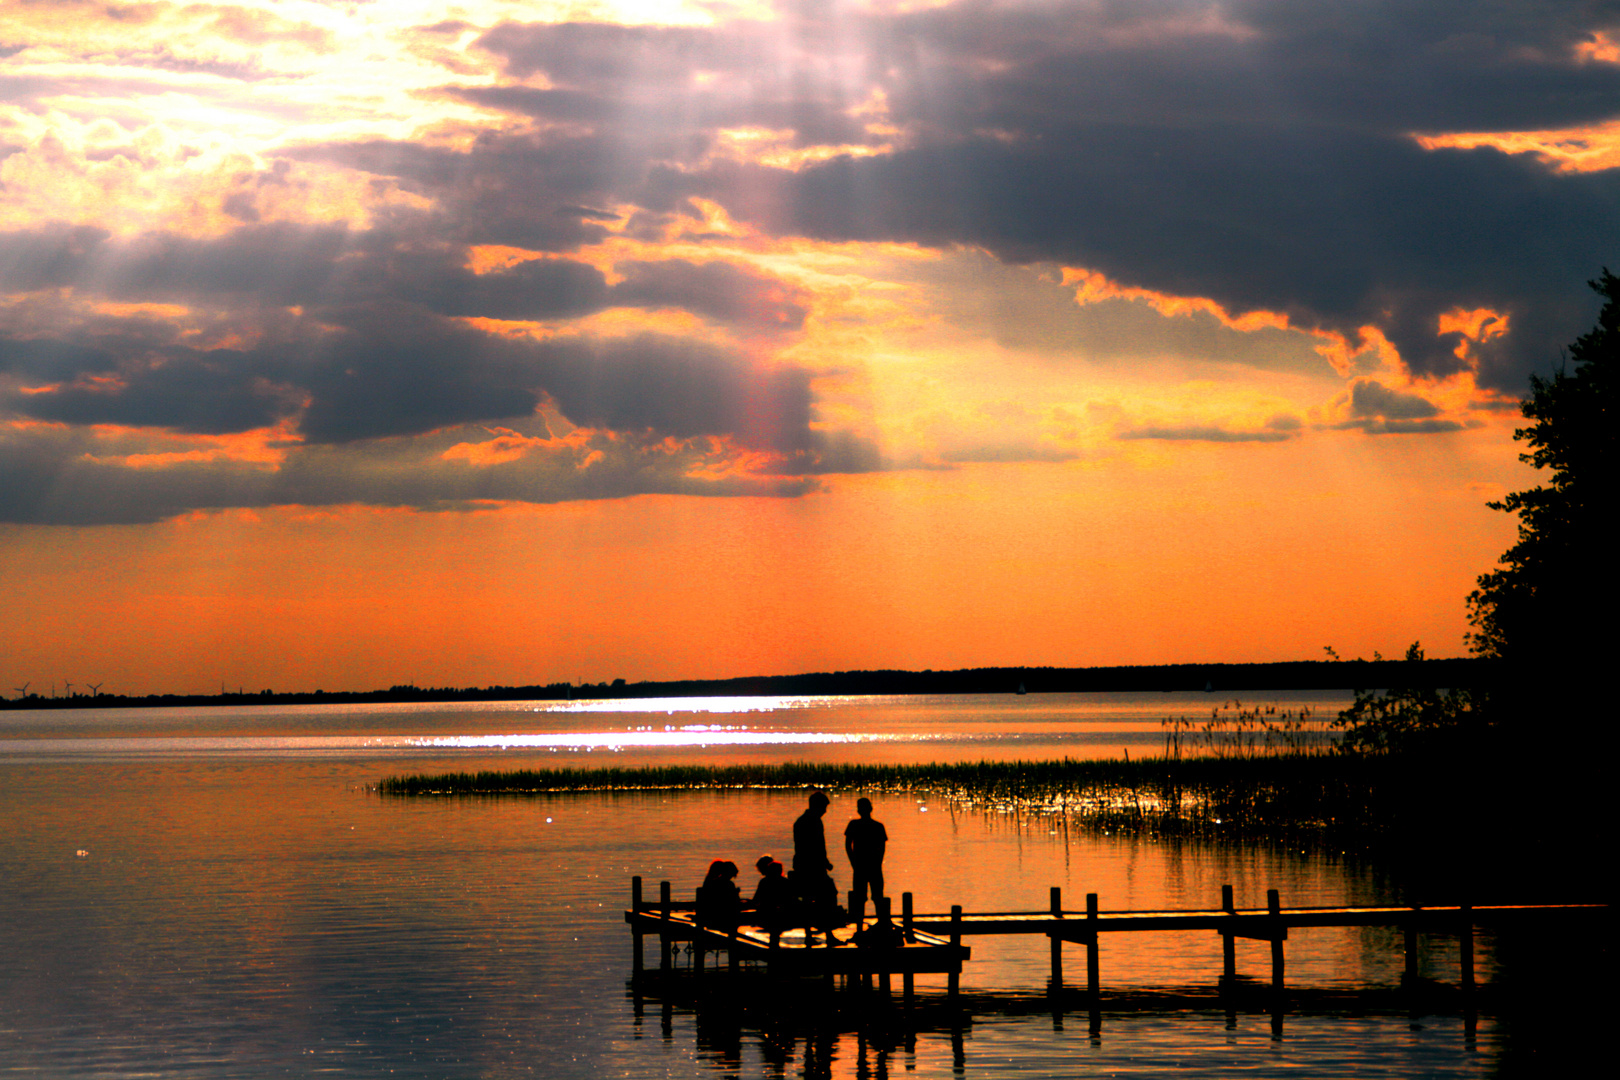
(560, 262)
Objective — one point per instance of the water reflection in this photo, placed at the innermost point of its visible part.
(246, 915)
(995, 1035)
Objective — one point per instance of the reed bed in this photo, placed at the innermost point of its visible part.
(1297, 796)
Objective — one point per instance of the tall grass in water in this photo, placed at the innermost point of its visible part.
(1233, 731)
(1284, 795)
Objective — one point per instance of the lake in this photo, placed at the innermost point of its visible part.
(220, 892)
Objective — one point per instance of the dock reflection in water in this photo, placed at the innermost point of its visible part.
(264, 914)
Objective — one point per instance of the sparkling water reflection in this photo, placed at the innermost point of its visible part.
(242, 915)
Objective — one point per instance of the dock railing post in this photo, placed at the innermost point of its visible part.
(635, 923)
(1465, 944)
(1410, 975)
(1274, 909)
(1465, 947)
(699, 953)
(1057, 940)
(954, 982)
(1279, 998)
(1092, 979)
(1228, 945)
(881, 903)
(664, 959)
(908, 982)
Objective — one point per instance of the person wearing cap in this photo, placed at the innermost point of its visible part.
(865, 840)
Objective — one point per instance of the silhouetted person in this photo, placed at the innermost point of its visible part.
(865, 840)
(718, 900)
(773, 896)
(810, 864)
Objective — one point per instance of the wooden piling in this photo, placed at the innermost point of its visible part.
(1465, 945)
(1092, 979)
(665, 961)
(1057, 941)
(636, 935)
(881, 904)
(1274, 909)
(908, 981)
(1410, 975)
(1228, 942)
(1465, 949)
(955, 979)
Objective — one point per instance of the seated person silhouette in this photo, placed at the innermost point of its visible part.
(718, 901)
(773, 897)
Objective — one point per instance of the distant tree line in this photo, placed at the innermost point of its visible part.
(1219, 678)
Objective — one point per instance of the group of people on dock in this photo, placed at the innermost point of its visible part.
(808, 895)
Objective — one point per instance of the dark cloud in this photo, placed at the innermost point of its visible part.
(386, 369)
(1334, 230)
(678, 387)
(64, 477)
(1378, 410)
(281, 265)
(197, 394)
(722, 291)
(1204, 433)
(518, 191)
(1369, 397)
(1376, 426)
(1258, 154)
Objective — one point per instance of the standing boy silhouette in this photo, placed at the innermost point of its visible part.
(865, 840)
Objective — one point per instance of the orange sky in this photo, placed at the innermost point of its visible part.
(519, 343)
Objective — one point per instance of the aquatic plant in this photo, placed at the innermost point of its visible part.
(1233, 731)
(1294, 796)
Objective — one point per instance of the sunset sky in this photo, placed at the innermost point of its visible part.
(351, 344)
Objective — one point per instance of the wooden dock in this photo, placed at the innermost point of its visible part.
(796, 951)
(932, 942)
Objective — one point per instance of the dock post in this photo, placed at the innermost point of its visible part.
(881, 904)
(1274, 909)
(1465, 912)
(1228, 949)
(955, 981)
(1410, 975)
(1465, 944)
(664, 959)
(1092, 980)
(733, 960)
(908, 981)
(635, 923)
(1057, 941)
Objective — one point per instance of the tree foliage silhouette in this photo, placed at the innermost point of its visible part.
(1536, 612)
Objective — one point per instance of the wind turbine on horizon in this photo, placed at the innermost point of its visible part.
(22, 691)
(67, 688)
(95, 688)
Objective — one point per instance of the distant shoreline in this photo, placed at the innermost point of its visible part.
(1220, 678)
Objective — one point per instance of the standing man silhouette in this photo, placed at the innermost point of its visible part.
(865, 840)
(810, 863)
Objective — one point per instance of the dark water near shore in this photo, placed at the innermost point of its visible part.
(220, 894)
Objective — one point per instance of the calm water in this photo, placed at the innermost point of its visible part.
(217, 893)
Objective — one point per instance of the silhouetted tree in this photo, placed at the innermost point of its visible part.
(1406, 719)
(1546, 613)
